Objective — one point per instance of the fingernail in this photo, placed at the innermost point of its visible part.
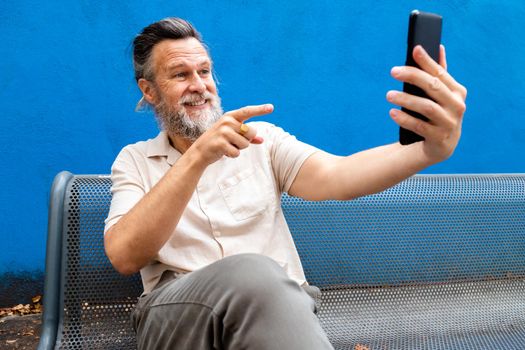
(257, 140)
(391, 95)
(420, 51)
(268, 107)
(394, 112)
(395, 71)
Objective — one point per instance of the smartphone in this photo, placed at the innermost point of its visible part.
(423, 29)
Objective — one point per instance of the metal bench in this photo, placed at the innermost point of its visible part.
(436, 262)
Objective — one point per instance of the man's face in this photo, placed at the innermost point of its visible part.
(186, 100)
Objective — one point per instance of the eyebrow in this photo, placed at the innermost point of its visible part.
(204, 62)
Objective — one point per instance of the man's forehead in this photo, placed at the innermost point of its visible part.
(178, 62)
(169, 53)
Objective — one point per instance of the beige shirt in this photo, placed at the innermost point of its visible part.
(234, 209)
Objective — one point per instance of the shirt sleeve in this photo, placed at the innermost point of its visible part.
(127, 187)
(287, 155)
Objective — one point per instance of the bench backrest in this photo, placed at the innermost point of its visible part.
(428, 239)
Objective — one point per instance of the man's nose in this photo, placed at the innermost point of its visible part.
(197, 84)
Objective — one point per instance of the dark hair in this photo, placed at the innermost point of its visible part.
(167, 28)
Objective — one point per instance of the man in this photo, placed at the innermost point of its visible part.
(197, 209)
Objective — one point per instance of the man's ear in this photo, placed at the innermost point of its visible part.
(148, 91)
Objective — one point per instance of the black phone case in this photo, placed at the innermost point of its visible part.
(423, 29)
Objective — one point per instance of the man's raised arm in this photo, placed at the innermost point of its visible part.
(324, 176)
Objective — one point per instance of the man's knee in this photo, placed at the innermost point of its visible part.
(251, 271)
(246, 264)
(252, 278)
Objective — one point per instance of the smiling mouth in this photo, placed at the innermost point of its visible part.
(196, 103)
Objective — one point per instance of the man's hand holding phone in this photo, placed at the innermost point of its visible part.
(444, 107)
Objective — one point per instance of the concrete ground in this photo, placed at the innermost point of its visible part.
(20, 332)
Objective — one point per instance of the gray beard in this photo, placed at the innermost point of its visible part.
(176, 121)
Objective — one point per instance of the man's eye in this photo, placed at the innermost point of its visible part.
(179, 75)
(205, 71)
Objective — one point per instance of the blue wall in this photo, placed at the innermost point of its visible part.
(67, 90)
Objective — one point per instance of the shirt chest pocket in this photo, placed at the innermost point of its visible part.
(248, 193)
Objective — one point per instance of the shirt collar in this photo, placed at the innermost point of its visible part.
(160, 147)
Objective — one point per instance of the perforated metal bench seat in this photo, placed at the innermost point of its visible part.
(436, 262)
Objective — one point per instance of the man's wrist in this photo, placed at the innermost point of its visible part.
(423, 156)
(194, 159)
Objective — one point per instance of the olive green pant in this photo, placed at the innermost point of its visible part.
(241, 302)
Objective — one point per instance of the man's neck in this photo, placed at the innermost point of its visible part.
(179, 143)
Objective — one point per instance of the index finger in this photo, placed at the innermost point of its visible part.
(245, 113)
(433, 68)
